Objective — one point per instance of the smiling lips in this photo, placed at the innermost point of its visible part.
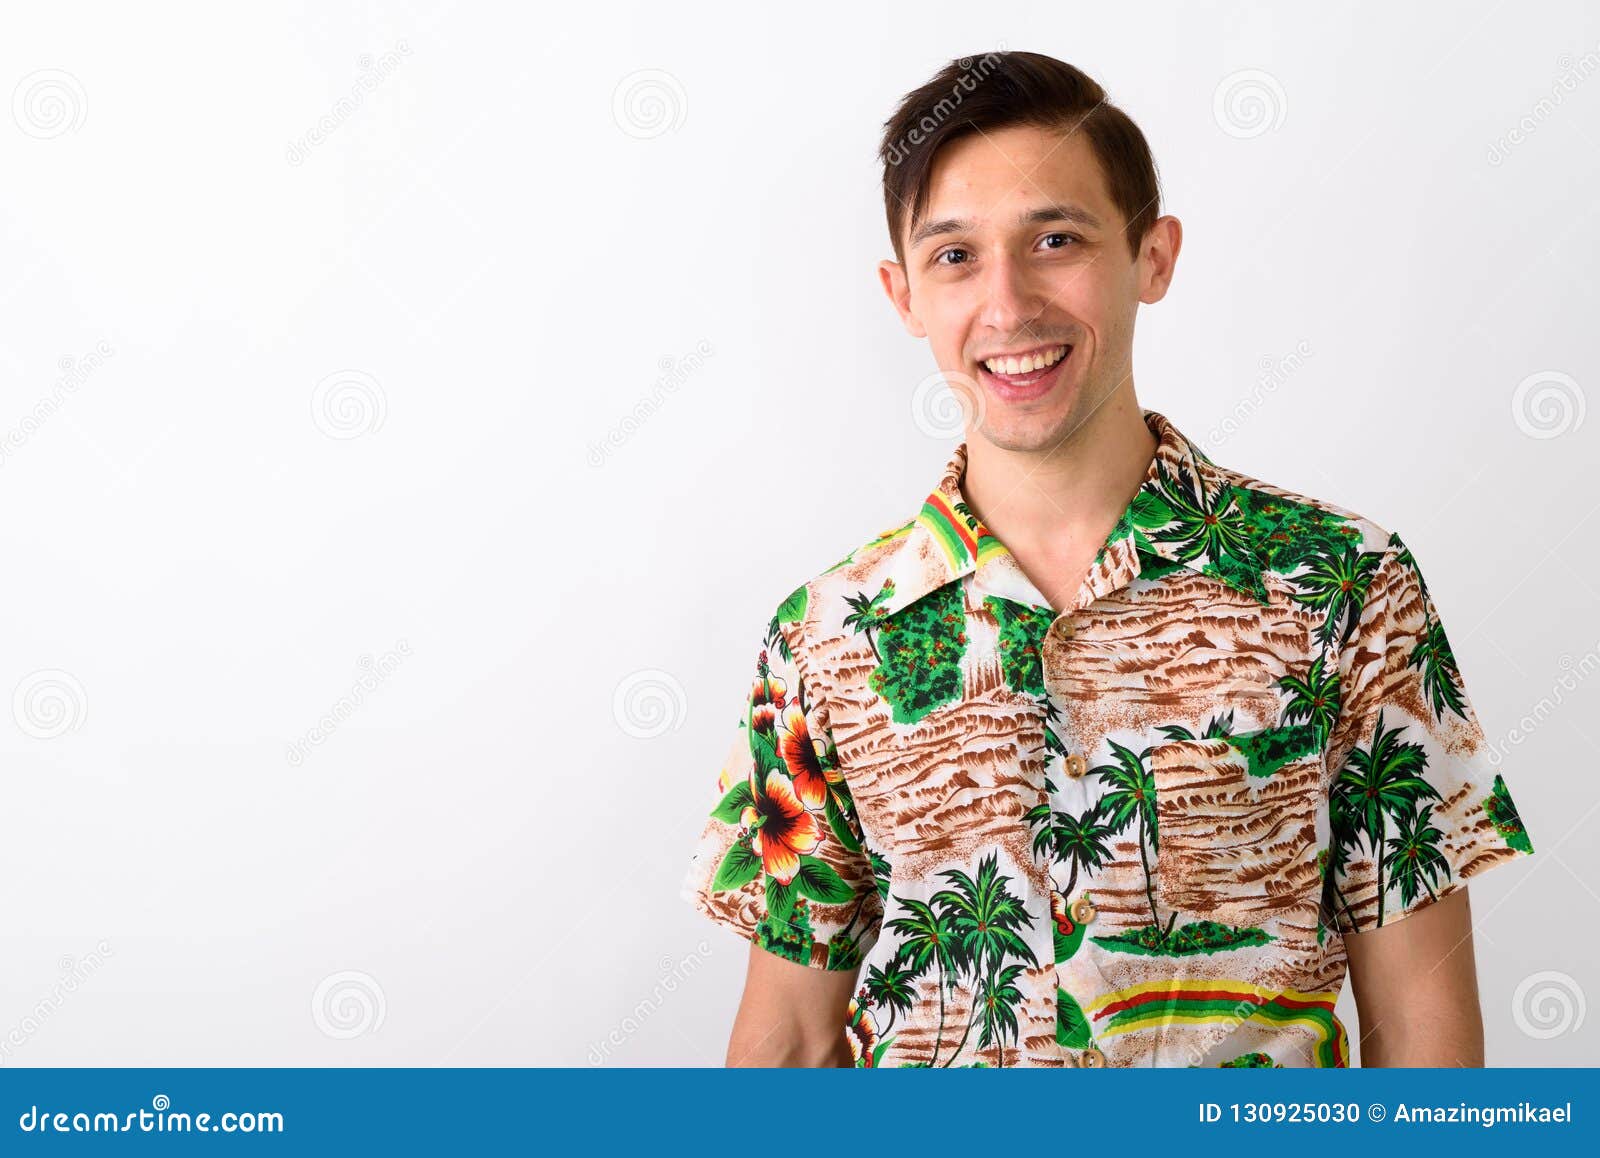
(1026, 374)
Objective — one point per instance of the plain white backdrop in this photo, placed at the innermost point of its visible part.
(411, 414)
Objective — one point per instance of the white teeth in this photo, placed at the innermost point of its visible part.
(1026, 365)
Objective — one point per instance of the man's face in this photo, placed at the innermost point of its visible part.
(1021, 278)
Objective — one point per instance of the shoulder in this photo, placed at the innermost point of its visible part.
(1290, 531)
(859, 583)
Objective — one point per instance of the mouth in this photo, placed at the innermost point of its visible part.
(1023, 375)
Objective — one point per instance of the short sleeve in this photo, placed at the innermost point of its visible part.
(783, 861)
(1416, 803)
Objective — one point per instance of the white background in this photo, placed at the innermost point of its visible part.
(338, 355)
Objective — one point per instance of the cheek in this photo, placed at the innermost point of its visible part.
(947, 319)
(1104, 304)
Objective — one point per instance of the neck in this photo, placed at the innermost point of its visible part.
(1061, 501)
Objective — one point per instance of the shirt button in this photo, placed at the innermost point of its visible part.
(1083, 910)
(1064, 628)
(1076, 765)
(1092, 1059)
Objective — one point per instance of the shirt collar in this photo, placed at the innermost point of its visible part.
(1185, 513)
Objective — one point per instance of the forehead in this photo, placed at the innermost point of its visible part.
(992, 175)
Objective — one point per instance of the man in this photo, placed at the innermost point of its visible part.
(1110, 755)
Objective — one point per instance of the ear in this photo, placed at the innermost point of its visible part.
(898, 286)
(1158, 256)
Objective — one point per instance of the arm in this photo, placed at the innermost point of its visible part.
(791, 1015)
(1416, 988)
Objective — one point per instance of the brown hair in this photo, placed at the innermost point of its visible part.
(999, 90)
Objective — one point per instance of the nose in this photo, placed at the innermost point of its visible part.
(1010, 299)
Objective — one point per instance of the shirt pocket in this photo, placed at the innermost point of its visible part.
(1241, 826)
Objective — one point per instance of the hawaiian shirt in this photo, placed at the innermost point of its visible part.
(1131, 832)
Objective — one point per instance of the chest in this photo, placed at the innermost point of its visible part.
(1176, 719)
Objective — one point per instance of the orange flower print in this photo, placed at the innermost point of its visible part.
(767, 697)
(861, 1033)
(782, 830)
(804, 757)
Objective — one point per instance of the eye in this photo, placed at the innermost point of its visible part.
(939, 258)
(1064, 238)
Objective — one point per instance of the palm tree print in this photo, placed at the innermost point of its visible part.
(1132, 798)
(892, 987)
(987, 917)
(930, 938)
(866, 616)
(1441, 679)
(1215, 527)
(1380, 782)
(1335, 583)
(1313, 698)
(1414, 856)
(969, 931)
(999, 1001)
(1079, 842)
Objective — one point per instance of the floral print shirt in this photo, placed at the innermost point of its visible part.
(1132, 832)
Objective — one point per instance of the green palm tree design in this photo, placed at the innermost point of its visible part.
(1313, 698)
(1132, 796)
(892, 987)
(1080, 842)
(930, 939)
(999, 1000)
(1441, 678)
(1381, 781)
(1214, 526)
(987, 917)
(1335, 582)
(865, 616)
(1414, 854)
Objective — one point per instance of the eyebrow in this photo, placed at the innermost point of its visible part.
(1044, 215)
